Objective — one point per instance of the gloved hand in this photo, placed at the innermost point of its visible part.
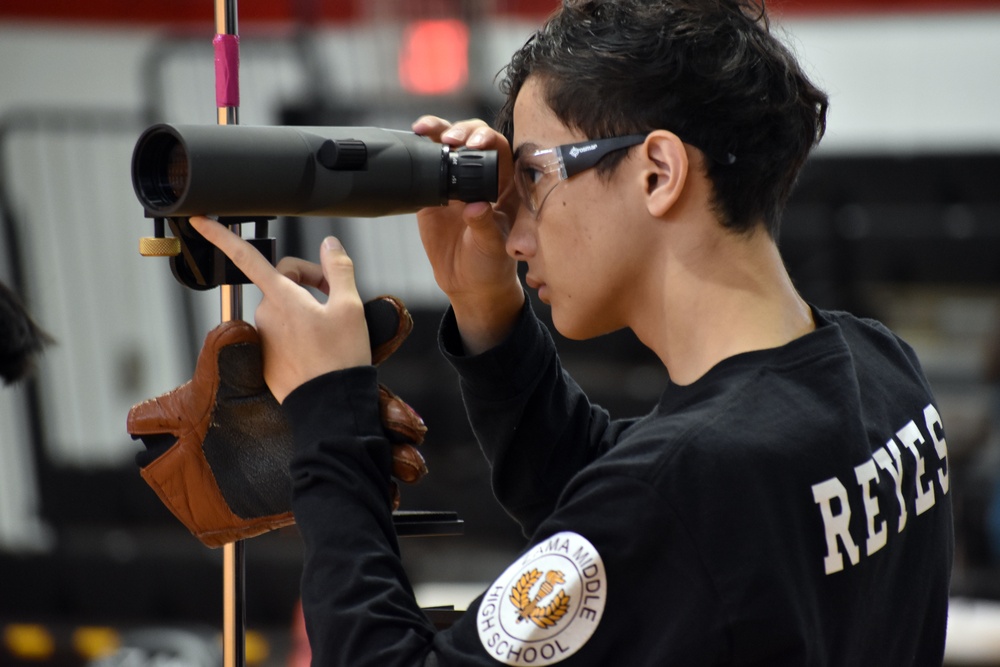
(218, 447)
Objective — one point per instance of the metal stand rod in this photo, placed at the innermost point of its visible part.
(234, 553)
(231, 306)
(234, 609)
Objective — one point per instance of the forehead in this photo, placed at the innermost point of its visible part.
(535, 123)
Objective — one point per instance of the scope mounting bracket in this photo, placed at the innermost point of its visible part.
(194, 261)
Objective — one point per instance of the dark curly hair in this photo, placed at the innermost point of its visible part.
(710, 71)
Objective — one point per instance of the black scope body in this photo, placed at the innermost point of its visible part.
(267, 171)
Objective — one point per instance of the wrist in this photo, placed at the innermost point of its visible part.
(486, 320)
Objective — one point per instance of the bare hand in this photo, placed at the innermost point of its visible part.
(466, 243)
(302, 338)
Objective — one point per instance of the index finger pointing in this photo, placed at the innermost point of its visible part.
(247, 259)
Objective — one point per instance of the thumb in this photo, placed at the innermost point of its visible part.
(338, 268)
(348, 341)
(489, 229)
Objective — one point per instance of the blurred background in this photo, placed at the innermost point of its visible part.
(896, 216)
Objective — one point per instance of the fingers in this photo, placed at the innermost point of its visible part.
(338, 269)
(247, 259)
(431, 127)
(302, 272)
(474, 133)
(491, 229)
(335, 273)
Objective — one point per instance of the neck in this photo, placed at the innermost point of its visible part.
(718, 297)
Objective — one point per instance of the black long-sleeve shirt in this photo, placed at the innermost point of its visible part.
(791, 507)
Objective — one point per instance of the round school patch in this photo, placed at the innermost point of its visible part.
(545, 606)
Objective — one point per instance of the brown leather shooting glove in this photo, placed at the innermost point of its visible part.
(218, 447)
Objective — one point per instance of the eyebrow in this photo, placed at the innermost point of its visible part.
(526, 146)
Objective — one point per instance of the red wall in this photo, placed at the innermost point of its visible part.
(201, 11)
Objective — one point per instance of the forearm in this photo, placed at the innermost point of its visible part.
(358, 604)
(535, 425)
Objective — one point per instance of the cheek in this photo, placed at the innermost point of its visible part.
(581, 225)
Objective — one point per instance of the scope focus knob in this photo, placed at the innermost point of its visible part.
(343, 154)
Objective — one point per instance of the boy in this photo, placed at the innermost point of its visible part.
(786, 502)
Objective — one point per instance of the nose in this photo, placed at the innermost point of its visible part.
(522, 241)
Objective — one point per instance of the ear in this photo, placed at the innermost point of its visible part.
(665, 172)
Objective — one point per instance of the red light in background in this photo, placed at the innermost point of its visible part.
(434, 58)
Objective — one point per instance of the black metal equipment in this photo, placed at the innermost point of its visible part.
(181, 170)
(254, 174)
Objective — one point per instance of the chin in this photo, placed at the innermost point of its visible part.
(580, 327)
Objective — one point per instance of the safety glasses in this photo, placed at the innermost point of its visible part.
(536, 174)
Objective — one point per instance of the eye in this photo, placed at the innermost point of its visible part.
(532, 174)
(528, 173)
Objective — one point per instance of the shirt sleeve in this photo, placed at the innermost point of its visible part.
(357, 601)
(535, 425)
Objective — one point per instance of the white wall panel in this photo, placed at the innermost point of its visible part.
(113, 313)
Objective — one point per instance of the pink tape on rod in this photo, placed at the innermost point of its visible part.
(227, 70)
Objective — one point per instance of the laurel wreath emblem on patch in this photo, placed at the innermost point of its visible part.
(529, 610)
(547, 605)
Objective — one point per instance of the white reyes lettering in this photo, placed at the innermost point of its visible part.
(837, 525)
(833, 497)
(881, 457)
(910, 436)
(936, 429)
(866, 473)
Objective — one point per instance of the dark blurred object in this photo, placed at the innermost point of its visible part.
(923, 219)
(20, 338)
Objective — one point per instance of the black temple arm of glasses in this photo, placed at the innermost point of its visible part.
(585, 154)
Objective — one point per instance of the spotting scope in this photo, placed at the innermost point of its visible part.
(243, 170)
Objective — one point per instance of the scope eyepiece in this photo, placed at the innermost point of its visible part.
(243, 170)
(471, 174)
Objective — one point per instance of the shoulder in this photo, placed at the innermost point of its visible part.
(867, 335)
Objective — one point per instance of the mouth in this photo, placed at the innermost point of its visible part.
(540, 287)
